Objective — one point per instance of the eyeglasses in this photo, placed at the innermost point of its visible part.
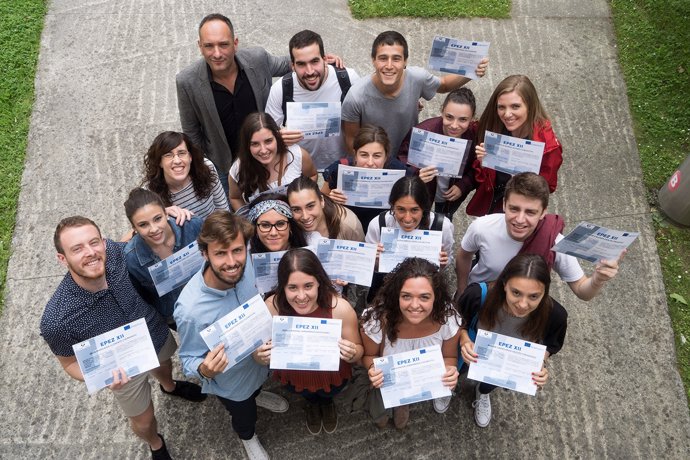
(182, 155)
(265, 227)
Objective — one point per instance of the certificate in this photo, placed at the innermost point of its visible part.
(447, 154)
(349, 261)
(307, 344)
(241, 331)
(266, 270)
(398, 245)
(314, 119)
(512, 155)
(506, 362)
(365, 187)
(174, 271)
(591, 242)
(412, 376)
(457, 56)
(128, 347)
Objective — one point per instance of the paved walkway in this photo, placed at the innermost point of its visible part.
(105, 88)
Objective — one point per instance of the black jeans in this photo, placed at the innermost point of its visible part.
(243, 415)
(320, 397)
(486, 388)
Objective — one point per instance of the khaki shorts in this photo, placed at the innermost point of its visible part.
(135, 396)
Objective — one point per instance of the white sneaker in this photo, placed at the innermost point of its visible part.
(441, 405)
(272, 402)
(254, 449)
(482, 408)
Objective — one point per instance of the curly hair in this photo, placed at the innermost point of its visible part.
(385, 308)
(154, 179)
(305, 261)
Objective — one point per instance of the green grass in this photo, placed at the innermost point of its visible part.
(362, 9)
(654, 52)
(21, 22)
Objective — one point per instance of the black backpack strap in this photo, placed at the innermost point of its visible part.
(288, 94)
(382, 220)
(437, 224)
(343, 81)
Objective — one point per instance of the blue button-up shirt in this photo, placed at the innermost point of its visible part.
(140, 257)
(198, 307)
(74, 314)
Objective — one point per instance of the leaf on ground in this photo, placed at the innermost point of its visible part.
(679, 298)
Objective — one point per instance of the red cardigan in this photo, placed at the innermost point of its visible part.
(486, 178)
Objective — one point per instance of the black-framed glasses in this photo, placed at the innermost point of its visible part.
(266, 227)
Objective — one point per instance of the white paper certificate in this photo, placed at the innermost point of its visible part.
(365, 187)
(174, 271)
(506, 361)
(128, 347)
(266, 270)
(457, 56)
(412, 376)
(314, 119)
(398, 245)
(349, 261)
(447, 154)
(591, 242)
(512, 155)
(241, 331)
(308, 344)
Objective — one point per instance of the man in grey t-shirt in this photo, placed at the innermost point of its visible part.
(389, 98)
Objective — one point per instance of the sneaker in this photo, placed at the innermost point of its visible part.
(482, 408)
(162, 453)
(313, 418)
(401, 415)
(329, 417)
(272, 402)
(441, 405)
(186, 390)
(254, 449)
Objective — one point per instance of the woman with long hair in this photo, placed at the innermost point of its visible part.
(517, 305)
(264, 161)
(412, 310)
(276, 228)
(304, 290)
(513, 109)
(177, 171)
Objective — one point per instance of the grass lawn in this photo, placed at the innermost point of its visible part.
(21, 22)
(654, 52)
(362, 9)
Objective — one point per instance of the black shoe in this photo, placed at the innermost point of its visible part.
(329, 417)
(162, 453)
(186, 390)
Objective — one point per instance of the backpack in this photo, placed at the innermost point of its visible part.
(472, 328)
(289, 90)
(437, 224)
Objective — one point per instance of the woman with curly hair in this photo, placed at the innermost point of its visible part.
(177, 171)
(264, 161)
(412, 310)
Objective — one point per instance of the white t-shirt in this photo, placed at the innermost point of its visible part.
(489, 235)
(447, 331)
(323, 151)
(292, 172)
(447, 239)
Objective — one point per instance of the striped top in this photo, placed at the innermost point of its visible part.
(187, 199)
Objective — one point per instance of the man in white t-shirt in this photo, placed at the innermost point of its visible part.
(390, 96)
(311, 80)
(499, 237)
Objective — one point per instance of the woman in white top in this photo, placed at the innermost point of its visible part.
(264, 161)
(412, 310)
(176, 170)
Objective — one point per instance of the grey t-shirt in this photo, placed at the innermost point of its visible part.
(364, 103)
(507, 324)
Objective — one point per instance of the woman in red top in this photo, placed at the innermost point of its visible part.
(517, 113)
(304, 289)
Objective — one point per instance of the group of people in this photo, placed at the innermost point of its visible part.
(237, 181)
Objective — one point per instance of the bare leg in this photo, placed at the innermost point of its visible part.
(163, 374)
(145, 426)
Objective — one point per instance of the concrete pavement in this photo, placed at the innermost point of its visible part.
(105, 88)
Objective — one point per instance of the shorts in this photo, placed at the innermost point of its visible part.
(134, 398)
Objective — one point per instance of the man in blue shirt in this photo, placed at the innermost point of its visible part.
(224, 283)
(95, 297)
